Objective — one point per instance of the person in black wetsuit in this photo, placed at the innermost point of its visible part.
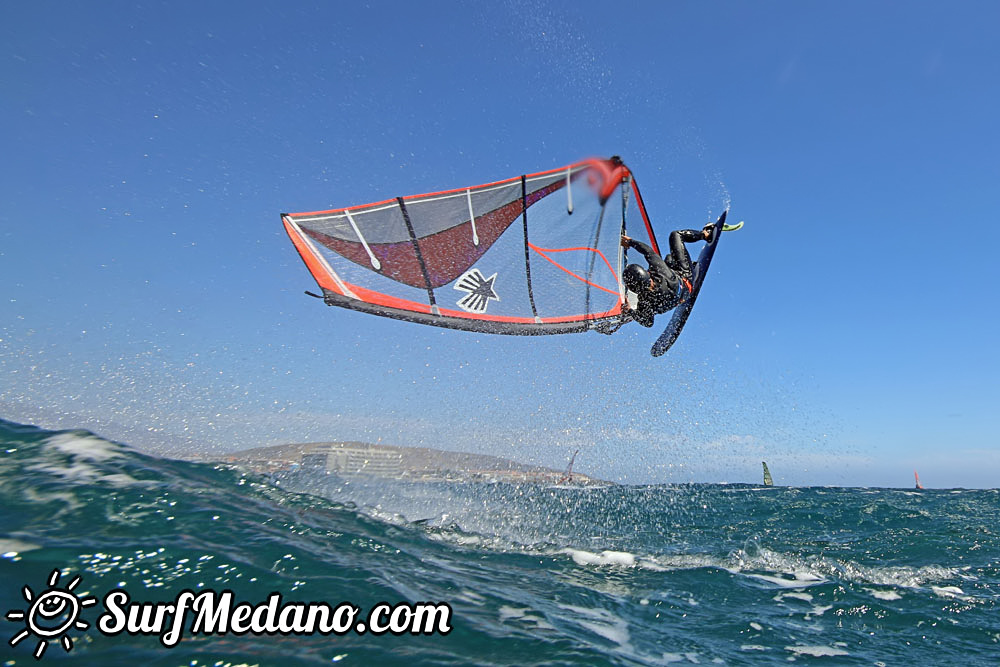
(667, 282)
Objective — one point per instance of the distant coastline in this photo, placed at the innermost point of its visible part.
(418, 464)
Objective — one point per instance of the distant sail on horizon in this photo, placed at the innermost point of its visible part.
(916, 479)
(568, 475)
(767, 475)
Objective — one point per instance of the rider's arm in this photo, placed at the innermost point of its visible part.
(656, 263)
(657, 267)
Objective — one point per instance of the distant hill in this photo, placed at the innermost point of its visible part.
(411, 461)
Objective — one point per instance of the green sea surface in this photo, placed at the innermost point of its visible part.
(533, 575)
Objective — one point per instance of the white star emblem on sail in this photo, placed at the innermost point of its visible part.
(478, 291)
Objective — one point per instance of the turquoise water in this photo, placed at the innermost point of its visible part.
(701, 574)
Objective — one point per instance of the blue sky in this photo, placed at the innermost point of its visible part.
(847, 335)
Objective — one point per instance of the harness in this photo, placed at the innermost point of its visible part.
(686, 289)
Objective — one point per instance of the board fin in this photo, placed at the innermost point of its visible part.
(732, 228)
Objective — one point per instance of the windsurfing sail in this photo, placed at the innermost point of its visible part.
(535, 254)
(767, 475)
(916, 478)
(568, 475)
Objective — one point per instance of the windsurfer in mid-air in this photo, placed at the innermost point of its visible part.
(667, 282)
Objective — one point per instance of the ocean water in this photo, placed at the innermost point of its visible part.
(534, 575)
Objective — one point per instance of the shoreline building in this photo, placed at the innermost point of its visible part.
(355, 459)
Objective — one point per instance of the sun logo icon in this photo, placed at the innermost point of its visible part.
(51, 614)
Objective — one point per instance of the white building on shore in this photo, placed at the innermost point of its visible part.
(355, 459)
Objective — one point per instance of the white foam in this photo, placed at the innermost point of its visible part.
(791, 572)
(71, 502)
(602, 623)
(83, 451)
(884, 595)
(816, 651)
(472, 596)
(805, 597)
(72, 472)
(621, 558)
(86, 447)
(682, 562)
(818, 610)
(119, 479)
(650, 564)
(10, 548)
(508, 613)
(799, 580)
(901, 576)
(948, 591)
(83, 473)
(658, 563)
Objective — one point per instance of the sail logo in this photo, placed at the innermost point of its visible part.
(479, 291)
